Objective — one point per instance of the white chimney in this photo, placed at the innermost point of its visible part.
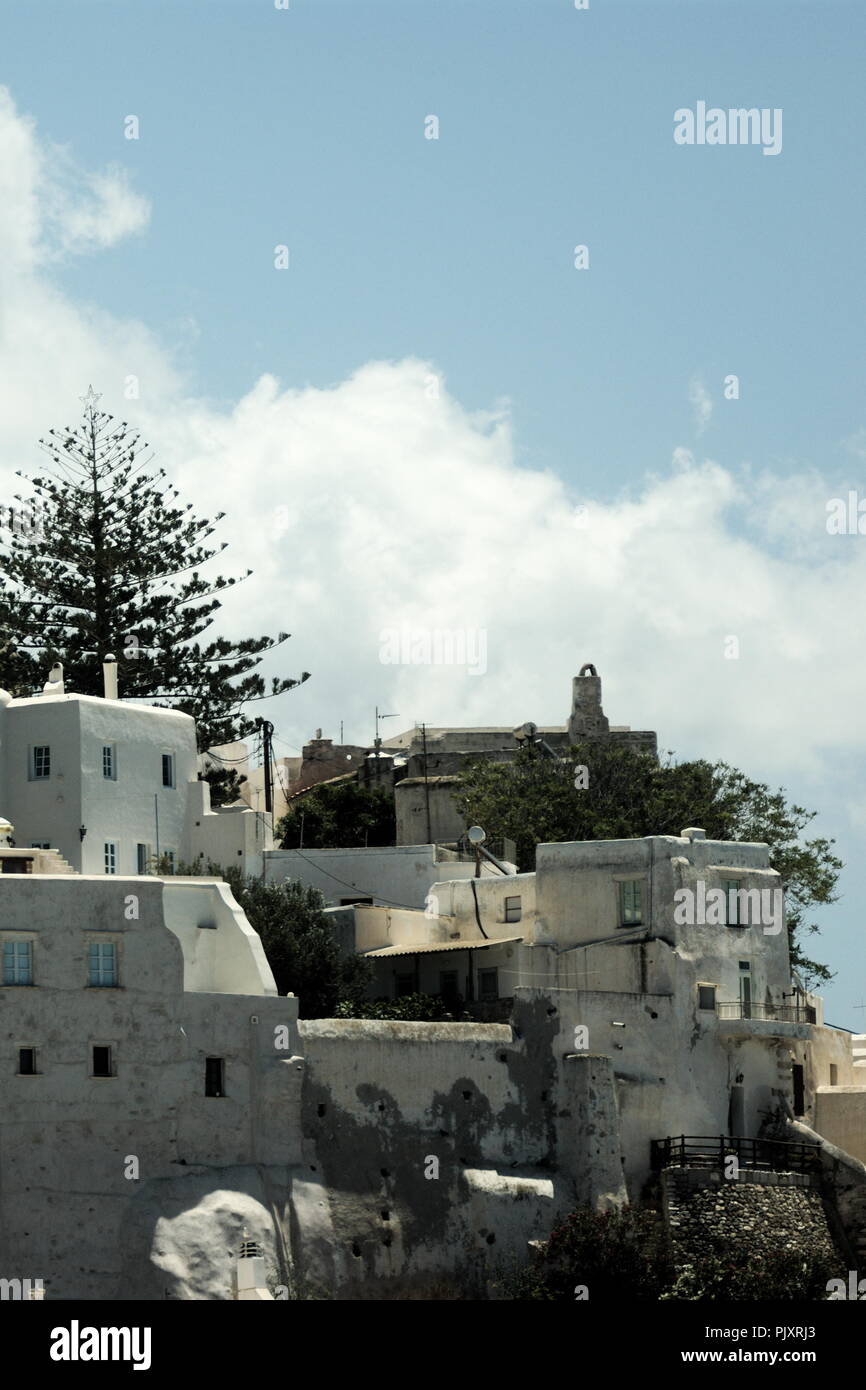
(109, 677)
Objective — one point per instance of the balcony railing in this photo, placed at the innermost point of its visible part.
(774, 1013)
(711, 1151)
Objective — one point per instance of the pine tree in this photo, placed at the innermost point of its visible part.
(110, 564)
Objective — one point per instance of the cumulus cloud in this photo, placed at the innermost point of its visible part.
(381, 504)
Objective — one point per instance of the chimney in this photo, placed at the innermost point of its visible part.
(109, 677)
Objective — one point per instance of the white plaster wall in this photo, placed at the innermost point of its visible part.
(124, 810)
(67, 1210)
(398, 876)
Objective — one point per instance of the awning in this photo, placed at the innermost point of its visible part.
(432, 947)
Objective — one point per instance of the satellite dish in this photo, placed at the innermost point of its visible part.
(476, 835)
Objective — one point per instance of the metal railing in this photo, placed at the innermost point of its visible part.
(711, 1151)
(775, 1013)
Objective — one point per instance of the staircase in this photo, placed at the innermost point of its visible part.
(51, 861)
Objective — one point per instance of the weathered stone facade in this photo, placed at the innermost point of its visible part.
(760, 1211)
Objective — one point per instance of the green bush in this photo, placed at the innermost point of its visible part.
(410, 1008)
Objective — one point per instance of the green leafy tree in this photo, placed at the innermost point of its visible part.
(616, 1256)
(533, 800)
(116, 569)
(339, 816)
(300, 946)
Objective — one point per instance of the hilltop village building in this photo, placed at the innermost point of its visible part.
(162, 1107)
(113, 786)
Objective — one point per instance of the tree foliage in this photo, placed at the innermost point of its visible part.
(533, 800)
(341, 815)
(300, 946)
(117, 568)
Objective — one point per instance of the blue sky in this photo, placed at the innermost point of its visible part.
(305, 127)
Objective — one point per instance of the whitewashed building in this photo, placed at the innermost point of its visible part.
(113, 786)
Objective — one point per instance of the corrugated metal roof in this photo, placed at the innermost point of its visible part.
(431, 947)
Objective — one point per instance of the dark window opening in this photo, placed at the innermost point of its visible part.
(706, 996)
(214, 1079)
(799, 1090)
(27, 1061)
(102, 1061)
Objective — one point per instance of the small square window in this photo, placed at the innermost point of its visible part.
(707, 997)
(27, 1061)
(488, 985)
(512, 909)
(168, 769)
(108, 761)
(214, 1076)
(18, 962)
(40, 765)
(631, 902)
(103, 964)
(110, 856)
(102, 1061)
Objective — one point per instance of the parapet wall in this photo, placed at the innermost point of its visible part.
(435, 1150)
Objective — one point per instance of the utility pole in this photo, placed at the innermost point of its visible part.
(377, 742)
(267, 730)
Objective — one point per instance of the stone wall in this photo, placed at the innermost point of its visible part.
(433, 1152)
(765, 1212)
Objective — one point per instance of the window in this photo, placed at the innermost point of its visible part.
(488, 985)
(110, 856)
(707, 997)
(512, 909)
(142, 854)
(168, 769)
(732, 902)
(631, 903)
(214, 1076)
(797, 1077)
(40, 844)
(102, 1061)
(103, 964)
(27, 1061)
(17, 962)
(40, 762)
(171, 857)
(109, 766)
(834, 1074)
(745, 989)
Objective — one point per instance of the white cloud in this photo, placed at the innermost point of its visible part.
(372, 505)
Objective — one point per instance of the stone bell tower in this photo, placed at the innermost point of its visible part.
(587, 719)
